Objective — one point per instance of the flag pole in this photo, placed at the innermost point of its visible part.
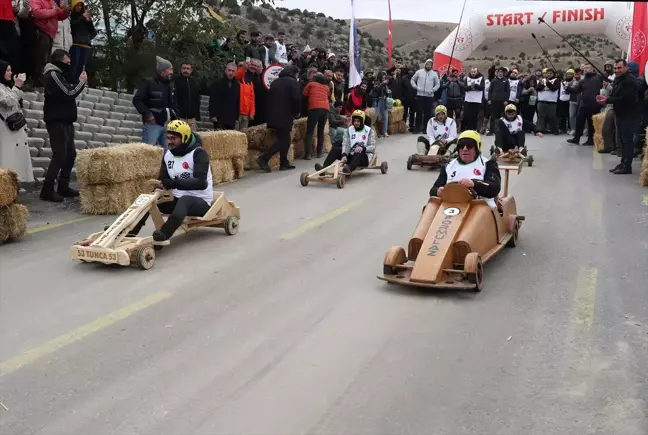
(389, 36)
(455, 39)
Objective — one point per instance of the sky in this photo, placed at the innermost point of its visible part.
(447, 11)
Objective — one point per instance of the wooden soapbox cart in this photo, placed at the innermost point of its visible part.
(333, 174)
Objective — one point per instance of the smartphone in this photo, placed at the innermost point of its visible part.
(83, 70)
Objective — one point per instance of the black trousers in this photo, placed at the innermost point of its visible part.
(281, 146)
(507, 141)
(353, 161)
(178, 210)
(224, 126)
(528, 113)
(562, 113)
(626, 127)
(41, 53)
(316, 117)
(424, 109)
(496, 112)
(471, 115)
(583, 115)
(63, 153)
(455, 109)
(10, 46)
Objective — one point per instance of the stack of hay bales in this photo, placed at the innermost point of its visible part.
(299, 133)
(396, 121)
(228, 150)
(111, 178)
(598, 130)
(13, 217)
(370, 112)
(259, 139)
(643, 175)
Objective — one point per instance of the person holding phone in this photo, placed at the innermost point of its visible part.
(83, 32)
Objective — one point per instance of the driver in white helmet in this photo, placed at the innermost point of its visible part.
(441, 134)
(471, 170)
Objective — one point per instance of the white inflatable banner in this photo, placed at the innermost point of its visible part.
(613, 20)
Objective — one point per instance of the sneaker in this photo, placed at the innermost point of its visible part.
(318, 166)
(623, 170)
(286, 167)
(263, 164)
(307, 157)
(615, 153)
(588, 144)
(159, 236)
(616, 168)
(573, 141)
(68, 192)
(50, 195)
(320, 155)
(346, 170)
(386, 134)
(604, 151)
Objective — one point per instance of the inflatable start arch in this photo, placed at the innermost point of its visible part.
(613, 20)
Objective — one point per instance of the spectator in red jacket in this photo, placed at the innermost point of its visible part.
(317, 92)
(9, 39)
(357, 98)
(247, 106)
(46, 15)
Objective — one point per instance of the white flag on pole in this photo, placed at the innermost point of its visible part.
(354, 52)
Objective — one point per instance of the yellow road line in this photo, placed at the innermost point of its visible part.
(80, 333)
(645, 200)
(60, 224)
(585, 299)
(597, 162)
(320, 221)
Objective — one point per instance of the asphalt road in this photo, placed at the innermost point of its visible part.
(284, 328)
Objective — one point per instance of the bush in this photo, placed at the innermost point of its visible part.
(304, 34)
(234, 10)
(321, 15)
(484, 47)
(320, 34)
(522, 55)
(293, 12)
(274, 26)
(257, 15)
(530, 65)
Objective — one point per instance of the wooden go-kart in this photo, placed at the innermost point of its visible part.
(115, 246)
(512, 156)
(433, 161)
(333, 174)
(455, 236)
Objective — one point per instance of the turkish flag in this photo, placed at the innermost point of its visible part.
(639, 40)
(389, 37)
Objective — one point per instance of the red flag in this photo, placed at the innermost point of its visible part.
(389, 37)
(639, 40)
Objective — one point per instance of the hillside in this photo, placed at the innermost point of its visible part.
(414, 41)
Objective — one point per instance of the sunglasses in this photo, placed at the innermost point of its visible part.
(468, 145)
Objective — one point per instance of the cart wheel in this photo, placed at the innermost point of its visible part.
(158, 247)
(513, 241)
(340, 181)
(145, 257)
(303, 179)
(394, 257)
(409, 163)
(383, 167)
(231, 225)
(474, 270)
(530, 161)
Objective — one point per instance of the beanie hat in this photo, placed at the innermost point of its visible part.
(161, 64)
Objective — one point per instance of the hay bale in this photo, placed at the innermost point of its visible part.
(370, 112)
(298, 145)
(396, 114)
(256, 137)
(114, 198)
(250, 160)
(225, 144)
(9, 187)
(397, 127)
(643, 173)
(402, 127)
(299, 130)
(222, 170)
(239, 167)
(598, 120)
(13, 222)
(118, 164)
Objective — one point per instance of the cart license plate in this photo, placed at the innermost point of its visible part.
(91, 255)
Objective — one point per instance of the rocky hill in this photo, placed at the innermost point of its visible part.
(414, 41)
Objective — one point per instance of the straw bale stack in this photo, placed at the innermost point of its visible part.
(13, 221)
(397, 127)
(260, 137)
(298, 139)
(370, 112)
(299, 130)
(99, 199)
(396, 114)
(643, 175)
(118, 164)
(239, 167)
(222, 170)
(224, 144)
(9, 187)
(598, 130)
(250, 161)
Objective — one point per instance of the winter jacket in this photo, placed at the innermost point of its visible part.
(255, 51)
(397, 87)
(46, 15)
(356, 101)
(188, 97)
(569, 88)
(454, 90)
(60, 96)
(156, 97)
(200, 168)
(338, 90)
(318, 95)
(369, 145)
(224, 101)
(624, 95)
(474, 87)
(247, 101)
(269, 55)
(63, 39)
(335, 119)
(499, 89)
(425, 82)
(83, 31)
(489, 189)
(409, 93)
(6, 10)
(284, 100)
(588, 88)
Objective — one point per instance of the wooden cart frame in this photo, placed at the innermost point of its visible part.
(433, 162)
(115, 246)
(333, 174)
(514, 156)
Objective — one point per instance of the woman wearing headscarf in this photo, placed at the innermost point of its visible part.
(14, 149)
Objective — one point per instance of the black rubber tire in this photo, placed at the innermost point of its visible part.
(231, 225)
(303, 179)
(409, 163)
(383, 167)
(145, 257)
(340, 181)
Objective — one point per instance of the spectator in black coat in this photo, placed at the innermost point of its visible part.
(498, 94)
(188, 96)
(409, 99)
(588, 89)
(255, 49)
(224, 100)
(284, 106)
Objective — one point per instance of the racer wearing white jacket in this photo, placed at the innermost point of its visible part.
(441, 133)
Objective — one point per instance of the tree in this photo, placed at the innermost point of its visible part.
(257, 15)
(484, 47)
(320, 34)
(530, 65)
(304, 34)
(274, 26)
(522, 55)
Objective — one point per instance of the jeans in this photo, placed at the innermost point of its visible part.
(626, 127)
(316, 117)
(79, 57)
(63, 153)
(281, 146)
(154, 134)
(382, 114)
(573, 113)
(178, 210)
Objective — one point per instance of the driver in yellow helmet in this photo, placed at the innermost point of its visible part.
(471, 170)
(186, 172)
(441, 134)
(358, 146)
(510, 132)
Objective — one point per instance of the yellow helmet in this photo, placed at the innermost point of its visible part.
(570, 71)
(181, 128)
(473, 135)
(440, 108)
(544, 70)
(509, 108)
(358, 114)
